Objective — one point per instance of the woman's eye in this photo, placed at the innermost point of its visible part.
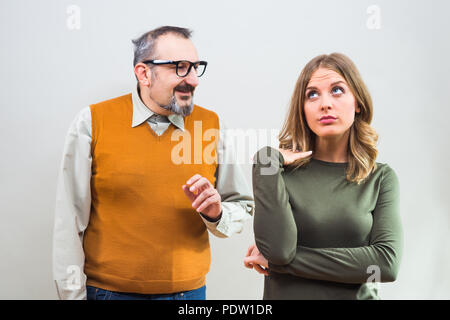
(337, 90)
(312, 94)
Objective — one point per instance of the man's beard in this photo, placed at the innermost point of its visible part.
(174, 107)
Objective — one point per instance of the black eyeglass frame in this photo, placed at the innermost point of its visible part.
(176, 63)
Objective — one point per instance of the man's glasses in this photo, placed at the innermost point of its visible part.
(183, 67)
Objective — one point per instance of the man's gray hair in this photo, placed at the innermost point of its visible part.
(144, 46)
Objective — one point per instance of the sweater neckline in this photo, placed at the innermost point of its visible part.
(330, 164)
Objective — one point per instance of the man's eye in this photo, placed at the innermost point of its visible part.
(337, 90)
(312, 94)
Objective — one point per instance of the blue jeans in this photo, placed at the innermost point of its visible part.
(94, 293)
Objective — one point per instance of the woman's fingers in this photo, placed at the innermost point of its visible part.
(253, 258)
(261, 270)
(252, 261)
(250, 249)
(249, 253)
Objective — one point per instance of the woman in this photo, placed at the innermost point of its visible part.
(327, 222)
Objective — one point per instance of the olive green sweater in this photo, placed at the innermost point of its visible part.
(324, 237)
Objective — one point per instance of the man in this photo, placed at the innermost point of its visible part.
(133, 202)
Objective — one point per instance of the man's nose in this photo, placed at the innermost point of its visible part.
(192, 78)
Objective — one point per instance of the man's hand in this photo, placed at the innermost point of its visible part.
(254, 259)
(291, 156)
(204, 197)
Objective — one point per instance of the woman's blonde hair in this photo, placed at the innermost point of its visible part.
(296, 134)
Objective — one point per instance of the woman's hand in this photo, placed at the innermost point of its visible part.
(290, 156)
(254, 259)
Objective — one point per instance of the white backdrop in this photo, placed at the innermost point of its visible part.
(58, 56)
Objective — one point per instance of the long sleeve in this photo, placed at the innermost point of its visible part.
(344, 265)
(272, 209)
(236, 195)
(72, 209)
(356, 265)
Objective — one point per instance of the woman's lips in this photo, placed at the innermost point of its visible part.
(327, 120)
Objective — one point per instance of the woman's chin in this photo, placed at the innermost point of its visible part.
(330, 133)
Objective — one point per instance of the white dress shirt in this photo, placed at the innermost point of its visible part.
(73, 200)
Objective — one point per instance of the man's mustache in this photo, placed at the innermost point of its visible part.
(184, 88)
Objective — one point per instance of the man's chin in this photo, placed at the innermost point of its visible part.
(184, 103)
(188, 109)
(180, 106)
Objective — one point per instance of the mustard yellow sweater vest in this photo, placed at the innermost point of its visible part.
(143, 234)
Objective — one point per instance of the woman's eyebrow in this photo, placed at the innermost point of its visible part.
(337, 82)
(331, 85)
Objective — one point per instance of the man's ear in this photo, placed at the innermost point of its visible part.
(143, 74)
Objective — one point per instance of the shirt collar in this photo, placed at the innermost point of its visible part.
(141, 113)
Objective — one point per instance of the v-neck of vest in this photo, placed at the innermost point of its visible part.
(168, 131)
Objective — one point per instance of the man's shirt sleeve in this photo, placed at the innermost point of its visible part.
(73, 202)
(235, 193)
